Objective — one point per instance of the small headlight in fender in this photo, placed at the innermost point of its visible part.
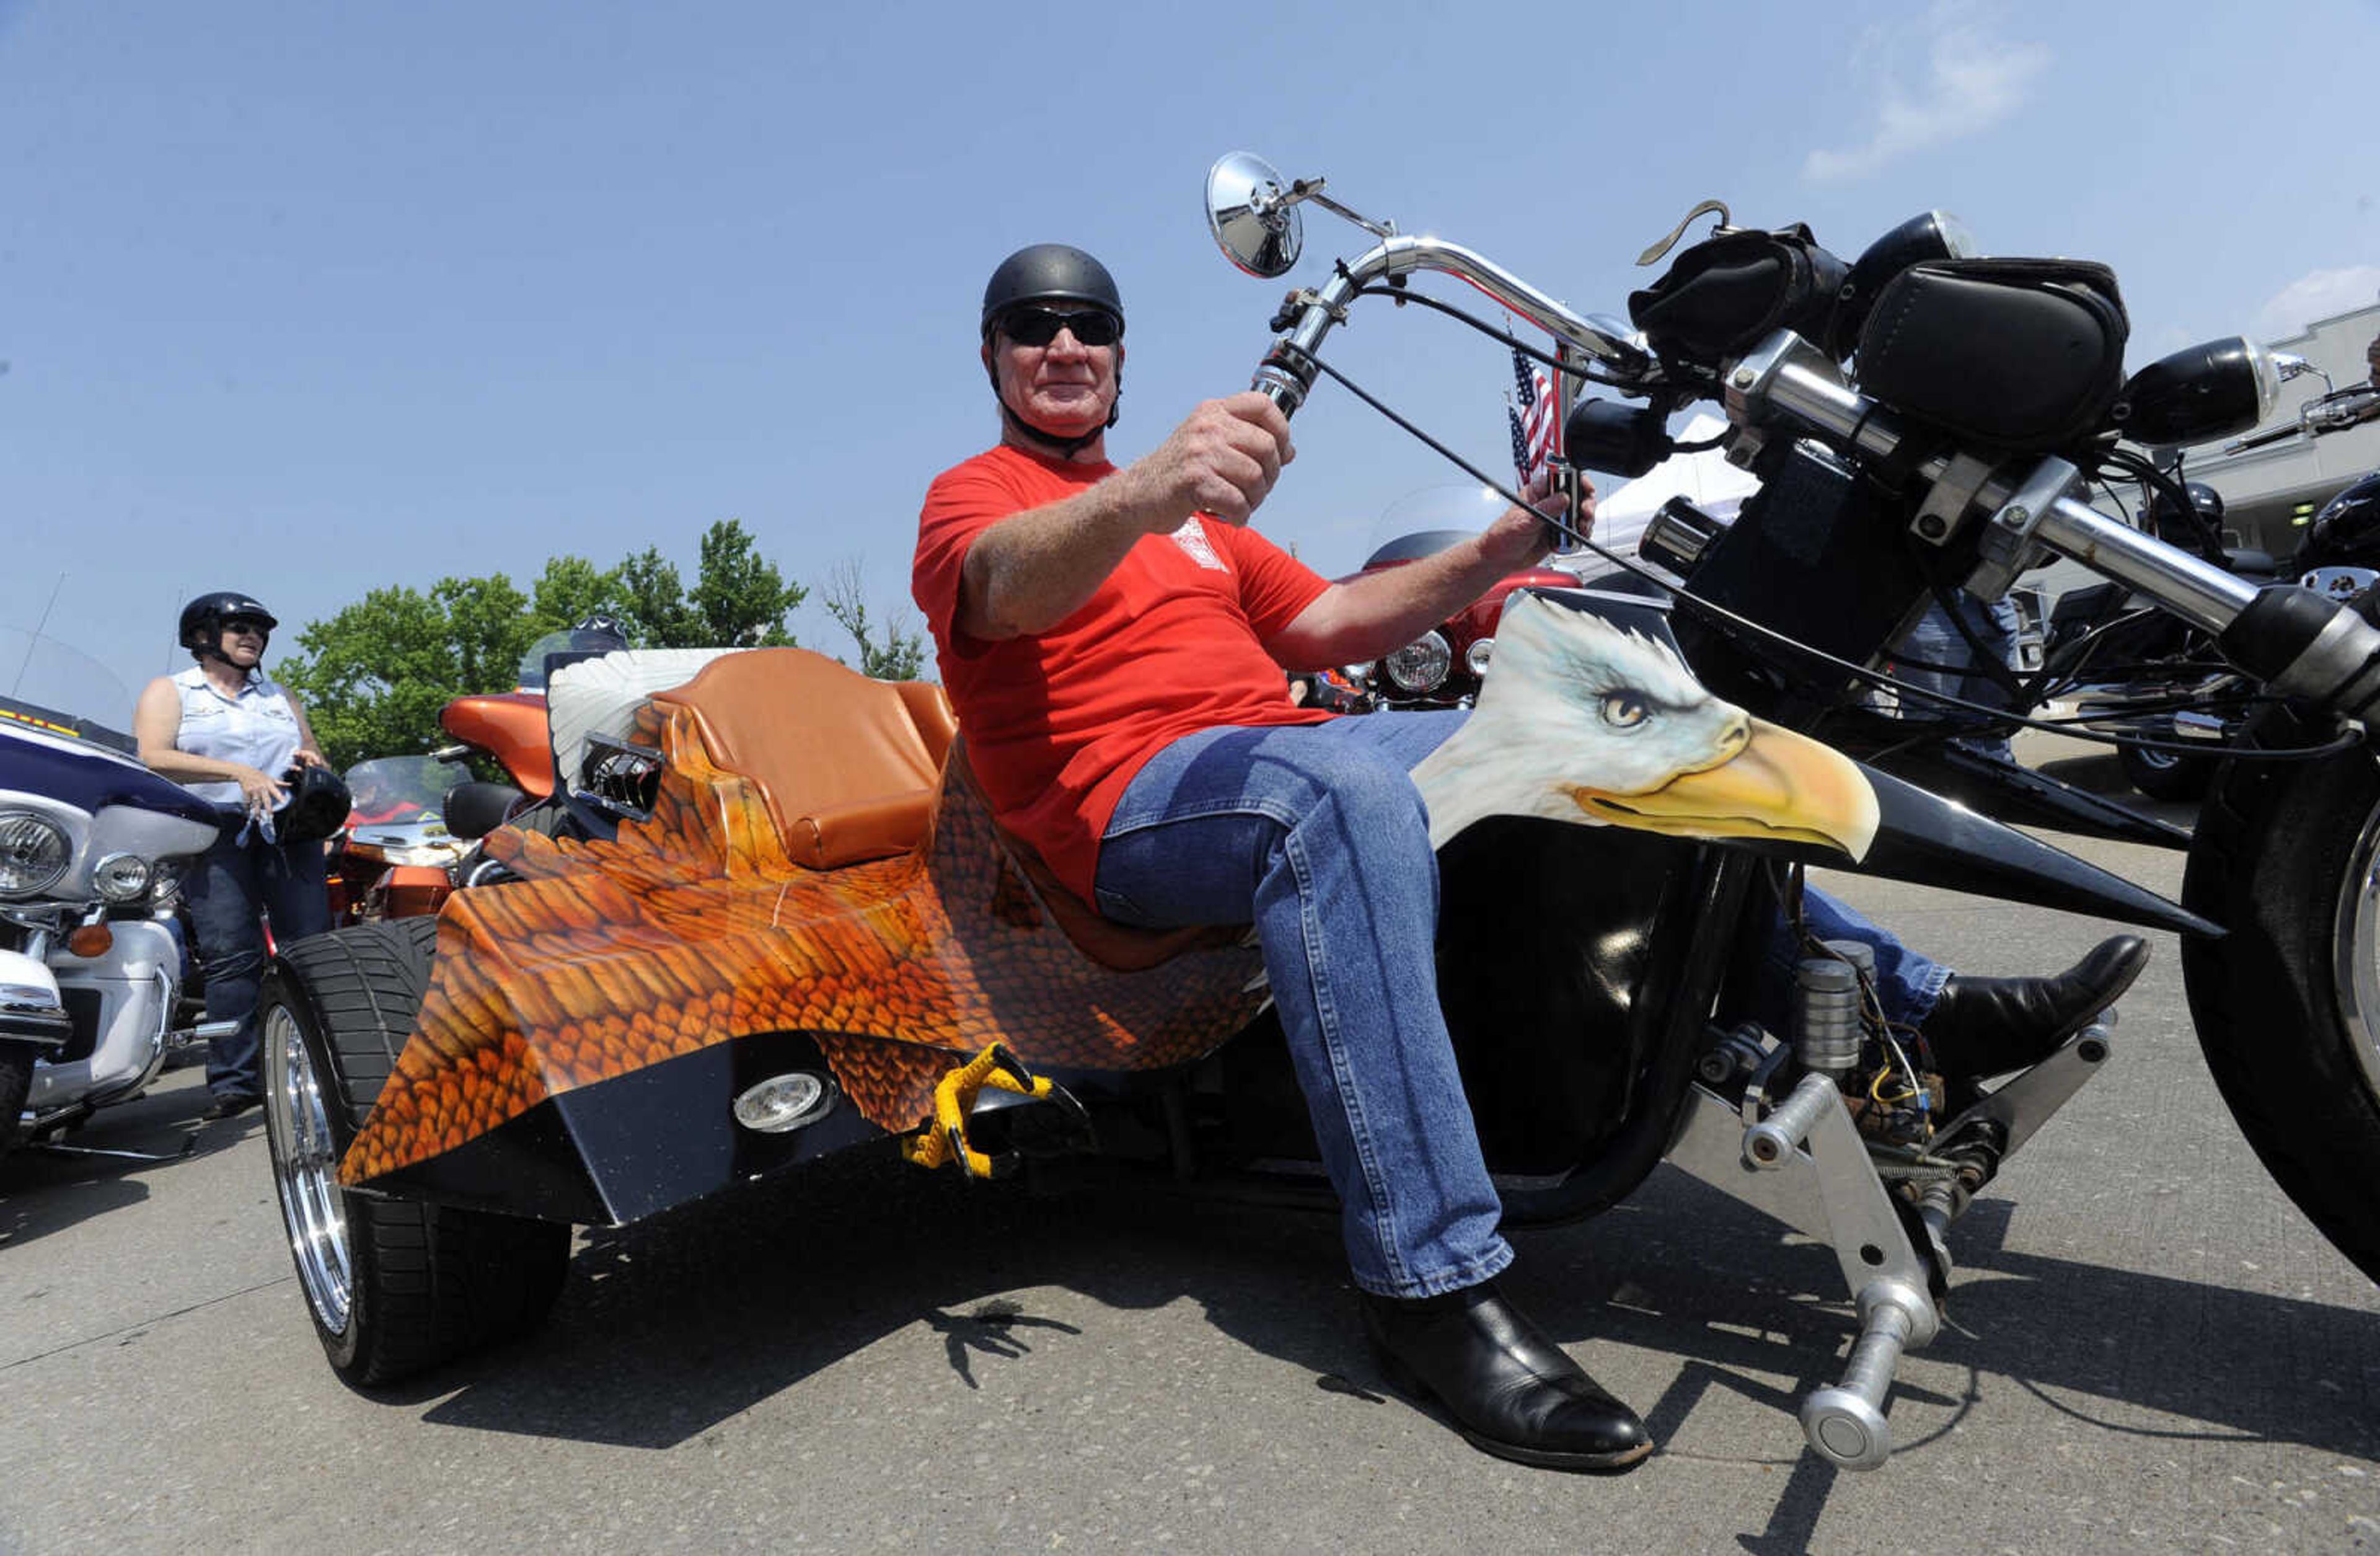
(121, 877)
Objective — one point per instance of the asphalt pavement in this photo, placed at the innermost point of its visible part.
(2148, 1348)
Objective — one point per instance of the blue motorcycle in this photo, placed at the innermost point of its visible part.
(92, 845)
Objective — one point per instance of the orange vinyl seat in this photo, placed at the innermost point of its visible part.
(852, 770)
(849, 767)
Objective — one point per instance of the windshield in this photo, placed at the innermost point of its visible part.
(531, 672)
(40, 672)
(394, 789)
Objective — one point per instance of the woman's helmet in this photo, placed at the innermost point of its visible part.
(317, 805)
(204, 618)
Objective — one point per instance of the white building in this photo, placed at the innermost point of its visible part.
(2270, 492)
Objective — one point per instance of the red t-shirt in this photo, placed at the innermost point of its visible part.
(1057, 723)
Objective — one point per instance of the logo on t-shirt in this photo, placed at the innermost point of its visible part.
(1192, 539)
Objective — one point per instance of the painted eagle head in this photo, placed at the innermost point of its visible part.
(1580, 720)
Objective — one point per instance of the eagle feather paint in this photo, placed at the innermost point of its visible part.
(1581, 721)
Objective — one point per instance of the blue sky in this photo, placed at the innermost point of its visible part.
(304, 299)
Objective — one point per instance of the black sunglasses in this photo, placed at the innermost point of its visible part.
(1039, 326)
(247, 623)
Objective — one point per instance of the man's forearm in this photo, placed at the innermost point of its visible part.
(1374, 612)
(1032, 570)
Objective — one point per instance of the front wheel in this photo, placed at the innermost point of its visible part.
(2287, 857)
(16, 1084)
(393, 1286)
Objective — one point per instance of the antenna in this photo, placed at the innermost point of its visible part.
(27, 662)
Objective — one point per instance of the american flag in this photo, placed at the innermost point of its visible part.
(1533, 422)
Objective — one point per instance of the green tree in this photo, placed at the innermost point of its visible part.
(740, 596)
(375, 677)
(901, 655)
(572, 589)
(655, 605)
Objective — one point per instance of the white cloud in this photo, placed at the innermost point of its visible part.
(2318, 295)
(1969, 82)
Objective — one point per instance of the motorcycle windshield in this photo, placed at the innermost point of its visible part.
(47, 683)
(400, 791)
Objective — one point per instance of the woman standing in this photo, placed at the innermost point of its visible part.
(228, 733)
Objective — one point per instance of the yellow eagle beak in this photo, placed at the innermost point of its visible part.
(1778, 785)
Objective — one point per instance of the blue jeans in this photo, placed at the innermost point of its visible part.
(228, 889)
(1316, 834)
(1936, 640)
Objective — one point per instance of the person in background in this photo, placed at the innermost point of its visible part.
(231, 736)
(1941, 658)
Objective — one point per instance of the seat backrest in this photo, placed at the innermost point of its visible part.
(848, 766)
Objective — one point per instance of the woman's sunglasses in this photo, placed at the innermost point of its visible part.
(1039, 326)
(246, 624)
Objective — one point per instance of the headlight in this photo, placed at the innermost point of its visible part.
(34, 851)
(120, 877)
(1420, 665)
(1476, 658)
(438, 853)
(2268, 380)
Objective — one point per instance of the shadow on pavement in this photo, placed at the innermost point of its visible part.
(50, 1186)
(670, 1328)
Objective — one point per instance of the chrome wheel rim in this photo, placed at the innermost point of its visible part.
(2355, 944)
(305, 1170)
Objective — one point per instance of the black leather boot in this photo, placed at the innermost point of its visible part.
(1511, 1391)
(1988, 1026)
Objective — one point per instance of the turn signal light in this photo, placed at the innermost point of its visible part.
(90, 940)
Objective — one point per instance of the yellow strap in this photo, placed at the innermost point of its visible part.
(946, 1139)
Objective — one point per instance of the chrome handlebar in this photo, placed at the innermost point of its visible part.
(1287, 373)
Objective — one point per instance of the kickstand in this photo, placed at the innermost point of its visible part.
(189, 1145)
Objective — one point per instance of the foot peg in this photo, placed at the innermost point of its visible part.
(1804, 1163)
(1845, 1424)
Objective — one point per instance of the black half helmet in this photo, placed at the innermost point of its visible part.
(317, 805)
(2203, 517)
(1050, 272)
(2346, 533)
(204, 618)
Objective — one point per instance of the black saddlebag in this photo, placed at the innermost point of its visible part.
(2023, 354)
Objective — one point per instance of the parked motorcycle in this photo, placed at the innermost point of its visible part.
(793, 927)
(2131, 670)
(396, 858)
(92, 846)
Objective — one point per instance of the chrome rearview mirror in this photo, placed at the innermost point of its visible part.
(1253, 216)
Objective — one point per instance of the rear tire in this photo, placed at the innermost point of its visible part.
(393, 1286)
(2287, 857)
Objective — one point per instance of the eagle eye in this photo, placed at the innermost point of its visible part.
(1625, 710)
